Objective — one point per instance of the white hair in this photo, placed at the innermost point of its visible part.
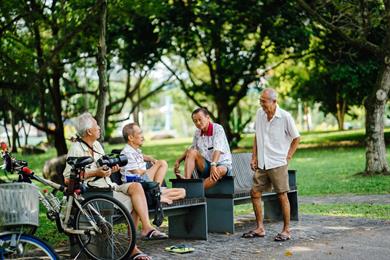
(273, 95)
(82, 123)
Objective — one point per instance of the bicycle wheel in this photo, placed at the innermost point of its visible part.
(16, 246)
(116, 236)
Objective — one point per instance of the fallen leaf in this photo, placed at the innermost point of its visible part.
(288, 253)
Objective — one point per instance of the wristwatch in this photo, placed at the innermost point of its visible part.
(213, 164)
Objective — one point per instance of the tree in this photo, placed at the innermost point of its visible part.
(333, 75)
(222, 44)
(38, 41)
(365, 26)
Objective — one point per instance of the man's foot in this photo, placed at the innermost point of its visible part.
(281, 237)
(164, 199)
(140, 256)
(253, 234)
(179, 176)
(154, 234)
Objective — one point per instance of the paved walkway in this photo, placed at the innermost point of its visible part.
(314, 237)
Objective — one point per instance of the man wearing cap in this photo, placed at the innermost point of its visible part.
(209, 153)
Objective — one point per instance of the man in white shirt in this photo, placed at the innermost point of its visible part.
(275, 142)
(136, 165)
(210, 152)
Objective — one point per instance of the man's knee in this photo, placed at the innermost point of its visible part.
(162, 163)
(255, 194)
(191, 153)
(134, 188)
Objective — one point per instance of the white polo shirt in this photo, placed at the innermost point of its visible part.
(274, 138)
(206, 145)
(135, 161)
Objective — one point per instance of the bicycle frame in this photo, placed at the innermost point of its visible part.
(73, 198)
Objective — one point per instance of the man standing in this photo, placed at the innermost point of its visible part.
(209, 153)
(275, 143)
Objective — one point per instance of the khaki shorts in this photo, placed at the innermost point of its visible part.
(263, 180)
(121, 195)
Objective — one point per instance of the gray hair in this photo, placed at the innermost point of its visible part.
(272, 93)
(128, 130)
(82, 123)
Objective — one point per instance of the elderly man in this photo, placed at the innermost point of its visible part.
(275, 142)
(134, 138)
(88, 131)
(210, 152)
(136, 165)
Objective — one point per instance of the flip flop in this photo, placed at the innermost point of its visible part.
(180, 249)
(154, 234)
(251, 234)
(139, 256)
(281, 237)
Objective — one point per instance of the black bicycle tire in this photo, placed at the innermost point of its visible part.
(50, 252)
(125, 213)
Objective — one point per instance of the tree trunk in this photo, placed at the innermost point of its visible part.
(102, 72)
(14, 133)
(341, 105)
(376, 161)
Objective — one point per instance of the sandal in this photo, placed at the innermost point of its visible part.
(154, 234)
(180, 249)
(282, 237)
(140, 256)
(252, 234)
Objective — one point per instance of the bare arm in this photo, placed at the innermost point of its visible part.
(293, 148)
(254, 155)
(148, 158)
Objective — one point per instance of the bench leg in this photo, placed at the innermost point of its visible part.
(273, 211)
(220, 215)
(189, 226)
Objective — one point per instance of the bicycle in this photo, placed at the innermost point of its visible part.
(102, 225)
(19, 213)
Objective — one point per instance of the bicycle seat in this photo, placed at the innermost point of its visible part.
(79, 162)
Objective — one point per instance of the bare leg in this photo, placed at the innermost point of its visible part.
(209, 182)
(257, 208)
(158, 171)
(193, 159)
(140, 206)
(285, 205)
(170, 195)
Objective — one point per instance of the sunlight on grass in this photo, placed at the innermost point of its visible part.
(355, 210)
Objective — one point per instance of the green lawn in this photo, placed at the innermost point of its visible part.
(326, 163)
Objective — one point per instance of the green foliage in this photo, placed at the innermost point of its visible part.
(232, 39)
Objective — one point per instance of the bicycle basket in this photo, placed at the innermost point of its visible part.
(19, 204)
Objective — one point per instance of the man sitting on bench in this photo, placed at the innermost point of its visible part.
(136, 166)
(210, 152)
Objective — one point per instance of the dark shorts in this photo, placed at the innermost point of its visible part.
(207, 165)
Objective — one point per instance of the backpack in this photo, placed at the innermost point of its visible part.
(153, 196)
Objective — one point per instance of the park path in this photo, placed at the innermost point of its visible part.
(314, 237)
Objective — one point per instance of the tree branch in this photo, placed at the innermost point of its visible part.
(361, 44)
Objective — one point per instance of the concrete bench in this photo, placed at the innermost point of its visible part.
(235, 190)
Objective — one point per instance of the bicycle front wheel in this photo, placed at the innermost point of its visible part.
(17, 246)
(115, 237)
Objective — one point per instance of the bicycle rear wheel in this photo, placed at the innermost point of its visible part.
(16, 246)
(116, 238)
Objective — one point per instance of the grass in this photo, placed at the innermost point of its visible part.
(354, 210)
(326, 164)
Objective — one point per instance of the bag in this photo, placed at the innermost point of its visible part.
(153, 196)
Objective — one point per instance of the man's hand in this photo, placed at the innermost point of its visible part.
(176, 167)
(103, 171)
(254, 164)
(115, 168)
(214, 173)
